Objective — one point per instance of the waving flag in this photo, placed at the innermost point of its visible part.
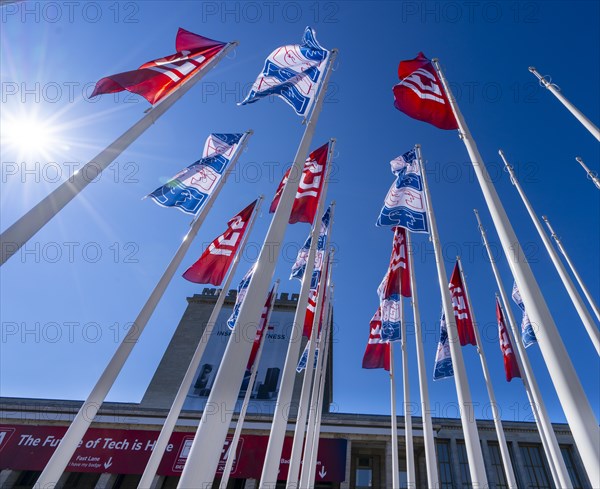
(191, 188)
(262, 326)
(304, 358)
(527, 334)
(377, 353)
(443, 359)
(420, 94)
(213, 264)
(241, 295)
(310, 186)
(511, 367)
(292, 72)
(404, 203)
(156, 79)
(462, 309)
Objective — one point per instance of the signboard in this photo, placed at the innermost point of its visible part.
(114, 451)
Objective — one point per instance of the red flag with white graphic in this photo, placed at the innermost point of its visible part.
(511, 367)
(420, 94)
(156, 79)
(397, 279)
(377, 353)
(313, 295)
(213, 264)
(262, 326)
(462, 309)
(309, 187)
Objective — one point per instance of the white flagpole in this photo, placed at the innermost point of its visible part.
(555, 90)
(67, 446)
(467, 415)
(242, 416)
(433, 480)
(586, 292)
(394, 423)
(408, 431)
(593, 176)
(508, 470)
(578, 411)
(310, 378)
(270, 469)
(584, 314)
(171, 420)
(202, 463)
(27, 226)
(547, 435)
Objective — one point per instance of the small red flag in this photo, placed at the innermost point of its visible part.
(309, 187)
(377, 353)
(462, 309)
(420, 94)
(156, 79)
(397, 279)
(262, 326)
(511, 367)
(213, 264)
(313, 294)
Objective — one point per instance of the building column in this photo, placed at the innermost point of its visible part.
(523, 476)
(251, 484)
(106, 481)
(8, 478)
(487, 461)
(455, 465)
(388, 464)
(346, 483)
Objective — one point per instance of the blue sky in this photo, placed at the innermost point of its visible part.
(67, 297)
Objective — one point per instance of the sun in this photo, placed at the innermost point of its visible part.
(27, 136)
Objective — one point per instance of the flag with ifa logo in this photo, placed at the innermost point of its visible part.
(527, 334)
(443, 367)
(377, 353)
(213, 264)
(511, 367)
(462, 309)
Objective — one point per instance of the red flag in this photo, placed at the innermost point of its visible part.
(156, 79)
(309, 318)
(420, 94)
(309, 187)
(397, 279)
(377, 353)
(511, 367)
(212, 266)
(262, 325)
(462, 309)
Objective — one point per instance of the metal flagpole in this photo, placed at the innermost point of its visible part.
(578, 411)
(284, 398)
(310, 378)
(202, 462)
(593, 176)
(394, 423)
(469, 424)
(508, 469)
(586, 292)
(408, 431)
(171, 420)
(242, 416)
(430, 456)
(584, 314)
(555, 90)
(27, 226)
(67, 446)
(547, 435)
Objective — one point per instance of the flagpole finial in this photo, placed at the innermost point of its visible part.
(500, 152)
(532, 69)
(418, 146)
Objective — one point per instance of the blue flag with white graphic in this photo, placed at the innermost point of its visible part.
(304, 358)
(292, 72)
(443, 359)
(527, 334)
(404, 203)
(191, 188)
(299, 266)
(242, 289)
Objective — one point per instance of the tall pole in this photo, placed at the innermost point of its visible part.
(585, 290)
(433, 480)
(202, 463)
(463, 393)
(67, 446)
(508, 470)
(27, 226)
(593, 176)
(574, 401)
(242, 416)
(538, 408)
(408, 431)
(584, 315)
(589, 125)
(171, 420)
(270, 468)
(394, 421)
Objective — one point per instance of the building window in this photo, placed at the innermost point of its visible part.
(496, 472)
(536, 469)
(463, 463)
(567, 453)
(444, 464)
(364, 473)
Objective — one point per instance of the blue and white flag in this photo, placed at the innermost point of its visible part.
(527, 334)
(292, 72)
(390, 312)
(242, 289)
(191, 188)
(404, 203)
(443, 359)
(304, 358)
(299, 266)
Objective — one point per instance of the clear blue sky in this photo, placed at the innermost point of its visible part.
(50, 297)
